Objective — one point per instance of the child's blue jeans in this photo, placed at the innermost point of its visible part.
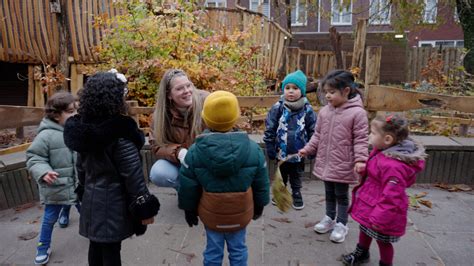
(214, 253)
(51, 215)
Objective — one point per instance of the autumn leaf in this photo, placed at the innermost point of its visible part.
(427, 203)
(282, 220)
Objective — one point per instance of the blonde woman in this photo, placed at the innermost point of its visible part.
(176, 122)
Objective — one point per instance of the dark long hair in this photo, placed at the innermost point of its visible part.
(102, 97)
(340, 79)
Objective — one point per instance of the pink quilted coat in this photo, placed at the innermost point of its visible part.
(380, 201)
(339, 141)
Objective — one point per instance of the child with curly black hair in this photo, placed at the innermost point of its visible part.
(116, 202)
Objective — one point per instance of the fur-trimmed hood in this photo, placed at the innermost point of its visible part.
(408, 151)
(83, 136)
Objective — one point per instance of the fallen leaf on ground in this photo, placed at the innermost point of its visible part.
(427, 203)
(272, 226)
(272, 244)
(421, 195)
(25, 206)
(454, 188)
(28, 235)
(282, 220)
(309, 224)
(189, 256)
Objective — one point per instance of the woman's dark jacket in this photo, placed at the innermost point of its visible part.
(110, 170)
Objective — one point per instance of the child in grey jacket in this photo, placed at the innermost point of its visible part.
(52, 164)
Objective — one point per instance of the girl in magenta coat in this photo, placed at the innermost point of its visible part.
(340, 143)
(379, 202)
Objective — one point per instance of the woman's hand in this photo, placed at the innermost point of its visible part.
(148, 221)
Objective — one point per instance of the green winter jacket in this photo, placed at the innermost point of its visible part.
(223, 162)
(49, 153)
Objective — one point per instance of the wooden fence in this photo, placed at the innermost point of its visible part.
(418, 58)
(314, 63)
(268, 34)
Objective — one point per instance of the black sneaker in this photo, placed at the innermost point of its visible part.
(298, 203)
(357, 257)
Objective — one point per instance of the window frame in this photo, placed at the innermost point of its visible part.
(378, 21)
(340, 14)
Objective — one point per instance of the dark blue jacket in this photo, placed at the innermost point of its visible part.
(295, 141)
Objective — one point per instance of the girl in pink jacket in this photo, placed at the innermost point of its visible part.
(340, 143)
(380, 203)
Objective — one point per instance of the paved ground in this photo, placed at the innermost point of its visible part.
(443, 235)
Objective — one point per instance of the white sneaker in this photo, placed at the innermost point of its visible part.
(339, 233)
(325, 225)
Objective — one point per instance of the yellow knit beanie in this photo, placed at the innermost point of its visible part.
(221, 111)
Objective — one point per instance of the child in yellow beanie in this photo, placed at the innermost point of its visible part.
(224, 180)
(289, 126)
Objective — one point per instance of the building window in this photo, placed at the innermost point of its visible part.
(443, 43)
(216, 3)
(379, 12)
(299, 13)
(254, 4)
(430, 12)
(341, 14)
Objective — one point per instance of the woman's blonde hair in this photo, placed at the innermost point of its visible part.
(161, 121)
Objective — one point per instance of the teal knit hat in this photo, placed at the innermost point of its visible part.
(298, 78)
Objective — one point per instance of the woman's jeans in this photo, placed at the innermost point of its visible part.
(51, 215)
(214, 253)
(165, 174)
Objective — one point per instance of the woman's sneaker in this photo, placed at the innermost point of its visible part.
(325, 225)
(42, 256)
(357, 257)
(339, 233)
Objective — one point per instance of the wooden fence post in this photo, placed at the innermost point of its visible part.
(359, 44)
(372, 72)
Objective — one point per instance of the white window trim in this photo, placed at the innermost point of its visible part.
(433, 42)
(378, 21)
(435, 13)
(305, 14)
(269, 7)
(217, 1)
(341, 23)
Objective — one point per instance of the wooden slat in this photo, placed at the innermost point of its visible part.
(11, 39)
(20, 31)
(15, 30)
(13, 188)
(14, 149)
(26, 185)
(20, 188)
(3, 23)
(16, 116)
(3, 198)
(48, 36)
(31, 86)
(72, 31)
(30, 30)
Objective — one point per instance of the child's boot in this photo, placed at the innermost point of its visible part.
(64, 217)
(298, 203)
(42, 254)
(384, 264)
(358, 256)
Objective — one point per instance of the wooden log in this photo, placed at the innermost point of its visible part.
(385, 98)
(31, 86)
(359, 44)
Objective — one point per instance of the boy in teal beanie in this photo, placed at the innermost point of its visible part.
(289, 126)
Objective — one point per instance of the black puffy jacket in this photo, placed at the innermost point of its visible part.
(110, 170)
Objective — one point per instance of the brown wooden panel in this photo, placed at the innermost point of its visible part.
(15, 196)
(26, 185)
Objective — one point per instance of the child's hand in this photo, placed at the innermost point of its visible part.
(50, 177)
(302, 153)
(359, 168)
(148, 221)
